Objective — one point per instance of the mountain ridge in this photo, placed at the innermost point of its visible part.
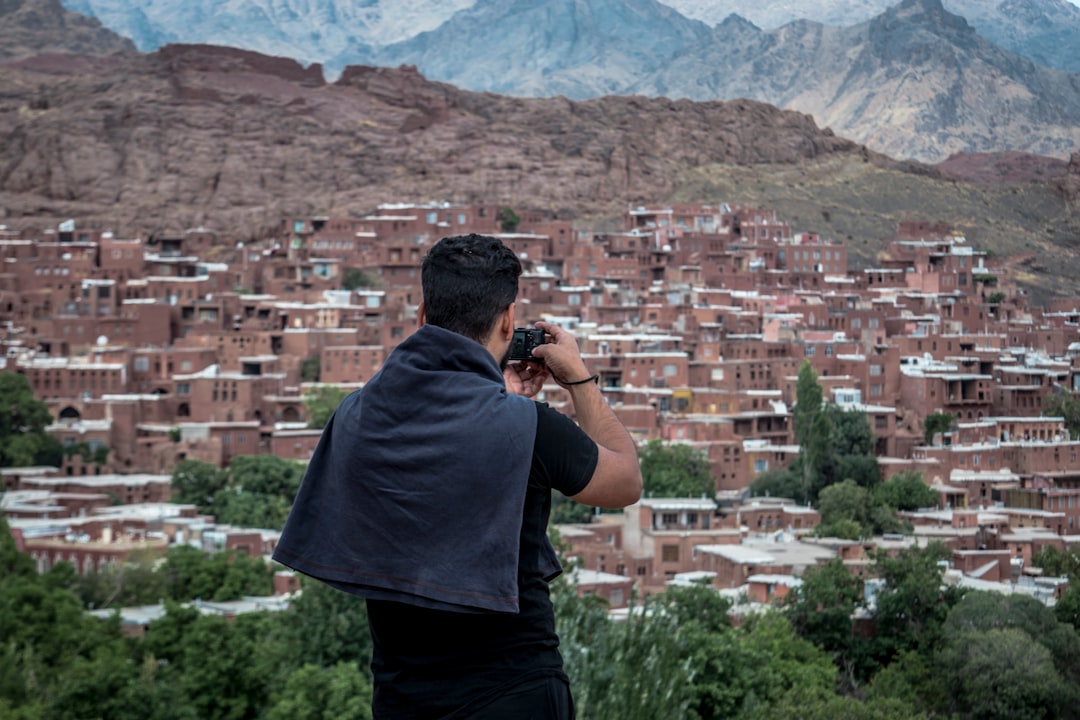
(915, 81)
(236, 141)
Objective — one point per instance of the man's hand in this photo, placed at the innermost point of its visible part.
(525, 377)
(561, 355)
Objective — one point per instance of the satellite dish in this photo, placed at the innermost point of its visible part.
(102, 341)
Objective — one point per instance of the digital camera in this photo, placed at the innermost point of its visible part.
(525, 339)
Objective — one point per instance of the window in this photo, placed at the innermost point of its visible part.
(183, 389)
(875, 370)
(670, 518)
(760, 466)
(670, 553)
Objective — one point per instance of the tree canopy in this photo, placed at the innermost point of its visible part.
(929, 650)
(254, 491)
(322, 401)
(1064, 404)
(675, 470)
(23, 419)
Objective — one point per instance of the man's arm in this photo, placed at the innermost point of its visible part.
(616, 482)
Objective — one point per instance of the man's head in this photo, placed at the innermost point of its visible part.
(468, 282)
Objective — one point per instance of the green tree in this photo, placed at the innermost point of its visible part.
(341, 692)
(912, 680)
(863, 470)
(323, 627)
(906, 491)
(781, 668)
(1058, 563)
(813, 432)
(1067, 608)
(822, 607)
(197, 483)
(1064, 404)
(311, 369)
(259, 491)
(781, 482)
(23, 419)
(322, 401)
(189, 573)
(265, 475)
(935, 423)
(912, 605)
(13, 564)
(845, 507)
(637, 669)
(136, 581)
(676, 470)
(1003, 674)
(82, 449)
(212, 661)
(985, 610)
(565, 511)
(354, 278)
(851, 431)
(508, 220)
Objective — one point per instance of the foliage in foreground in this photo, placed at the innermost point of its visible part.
(932, 652)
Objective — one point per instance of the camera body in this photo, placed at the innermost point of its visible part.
(524, 340)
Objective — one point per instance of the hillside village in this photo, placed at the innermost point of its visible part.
(696, 318)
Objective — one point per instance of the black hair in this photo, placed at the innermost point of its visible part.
(468, 280)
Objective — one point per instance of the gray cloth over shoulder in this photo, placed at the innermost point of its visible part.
(416, 489)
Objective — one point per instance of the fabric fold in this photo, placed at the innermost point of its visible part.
(403, 499)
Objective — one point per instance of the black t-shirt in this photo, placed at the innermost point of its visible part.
(428, 663)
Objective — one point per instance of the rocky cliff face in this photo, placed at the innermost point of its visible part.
(32, 27)
(231, 139)
(916, 81)
(1044, 31)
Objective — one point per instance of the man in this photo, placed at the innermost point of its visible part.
(430, 491)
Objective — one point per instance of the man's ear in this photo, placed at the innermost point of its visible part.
(421, 314)
(507, 322)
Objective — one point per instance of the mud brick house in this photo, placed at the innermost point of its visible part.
(696, 317)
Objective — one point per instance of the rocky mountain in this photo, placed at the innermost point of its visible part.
(1045, 31)
(915, 81)
(546, 47)
(237, 142)
(45, 26)
(306, 30)
(193, 135)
